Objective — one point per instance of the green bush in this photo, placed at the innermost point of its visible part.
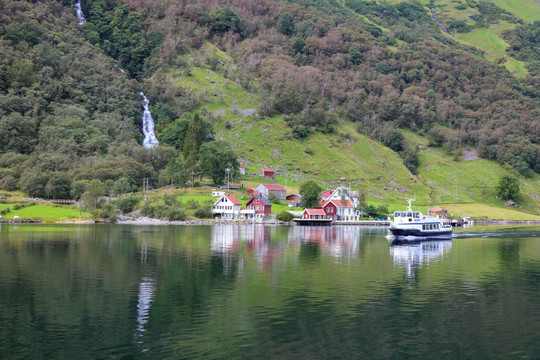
(284, 216)
(176, 214)
(204, 212)
(127, 204)
(192, 204)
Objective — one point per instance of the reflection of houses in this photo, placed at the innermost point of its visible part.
(267, 173)
(271, 189)
(439, 212)
(260, 205)
(225, 238)
(227, 207)
(335, 241)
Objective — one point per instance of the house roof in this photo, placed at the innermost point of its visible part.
(267, 170)
(327, 194)
(294, 196)
(242, 166)
(315, 211)
(437, 208)
(233, 199)
(260, 197)
(337, 203)
(274, 187)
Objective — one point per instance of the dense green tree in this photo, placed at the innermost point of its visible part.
(122, 186)
(58, 186)
(508, 186)
(78, 188)
(218, 160)
(94, 191)
(355, 55)
(34, 182)
(285, 24)
(310, 191)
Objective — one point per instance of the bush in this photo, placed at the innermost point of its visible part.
(192, 204)
(127, 204)
(107, 210)
(284, 216)
(176, 214)
(204, 212)
(380, 211)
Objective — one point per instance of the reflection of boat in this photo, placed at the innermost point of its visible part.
(414, 223)
(409, 254)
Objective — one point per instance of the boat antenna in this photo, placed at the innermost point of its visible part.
(410, 200)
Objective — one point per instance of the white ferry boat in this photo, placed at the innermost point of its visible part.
(414, 223)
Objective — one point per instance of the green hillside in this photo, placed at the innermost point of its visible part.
(364, 163)
(373, 94)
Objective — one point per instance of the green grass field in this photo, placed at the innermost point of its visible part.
(45, 212)
(490, 41)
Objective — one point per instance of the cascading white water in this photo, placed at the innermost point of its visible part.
(80, 14)
(148, 125)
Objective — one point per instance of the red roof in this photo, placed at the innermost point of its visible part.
(315, 211)
(267, 170)
(274, 187)
(242, 166)
(233, 199)
(338, 203)
(327, 194)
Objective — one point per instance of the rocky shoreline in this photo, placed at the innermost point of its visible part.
(143, 220)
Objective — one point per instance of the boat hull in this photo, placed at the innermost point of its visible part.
(421, 233)
(314, 222)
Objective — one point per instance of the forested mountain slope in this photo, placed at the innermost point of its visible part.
(312, 72)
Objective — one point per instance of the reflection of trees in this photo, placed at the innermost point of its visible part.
(60, 287)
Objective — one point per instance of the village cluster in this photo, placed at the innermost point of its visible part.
(337, 204)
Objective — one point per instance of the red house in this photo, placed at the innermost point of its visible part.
(337, 209)
(267, 173)
(314, 214)
(261, 206)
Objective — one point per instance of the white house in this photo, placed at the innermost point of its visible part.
(227, 207)
(342, 193)
(218, 193)
(242, 169)
(267, 189)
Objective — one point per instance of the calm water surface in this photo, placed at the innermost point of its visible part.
(243, 292)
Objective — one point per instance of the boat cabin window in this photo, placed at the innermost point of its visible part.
(416, 215)
(409, 215)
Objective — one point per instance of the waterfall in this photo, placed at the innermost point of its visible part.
(150, 139)
(80, 14)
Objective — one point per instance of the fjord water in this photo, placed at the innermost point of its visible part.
(220, 292)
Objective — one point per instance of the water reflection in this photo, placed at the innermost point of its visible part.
(412, 255)
(146, 291)
(333, 241)
(336, 242)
